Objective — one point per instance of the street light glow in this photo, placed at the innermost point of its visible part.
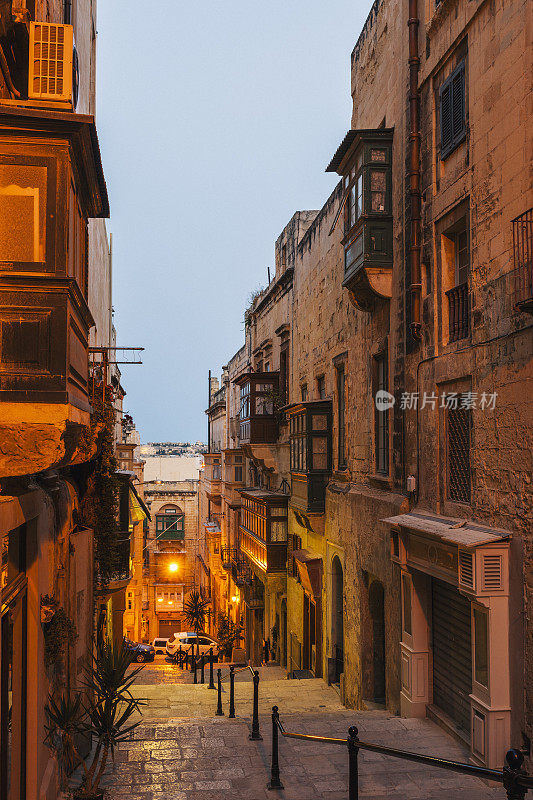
(173, 567)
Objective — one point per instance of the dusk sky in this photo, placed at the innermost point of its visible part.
(216, 122)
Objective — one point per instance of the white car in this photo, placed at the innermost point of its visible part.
(185, 639)
(160, 646)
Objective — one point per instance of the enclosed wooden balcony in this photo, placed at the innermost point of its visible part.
(51, 183)
(212, 477)
(258, 405)
(310, 447)
(263, 529)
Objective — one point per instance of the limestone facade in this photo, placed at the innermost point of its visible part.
(408, 281)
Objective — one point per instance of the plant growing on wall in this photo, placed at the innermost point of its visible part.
(100, 505)
(104, 714)
(59, 630)
(228, 634)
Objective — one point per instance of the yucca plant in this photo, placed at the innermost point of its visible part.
(103, 712)
(195, 611)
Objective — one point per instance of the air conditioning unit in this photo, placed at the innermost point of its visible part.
(52, 63)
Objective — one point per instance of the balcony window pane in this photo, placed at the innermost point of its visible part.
(320, 422)
(278, 531)
(359, 195)
(320, 452)
(377, 190)
(23, 218)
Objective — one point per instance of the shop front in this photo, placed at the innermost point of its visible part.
(455, 653)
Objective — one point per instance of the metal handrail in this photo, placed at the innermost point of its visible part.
(514, 781)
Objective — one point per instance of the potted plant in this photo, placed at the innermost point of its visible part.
(102, 712)
(228, 633)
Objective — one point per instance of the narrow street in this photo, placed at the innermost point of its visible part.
(182, 751)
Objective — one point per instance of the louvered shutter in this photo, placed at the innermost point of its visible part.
(458, 104)
(452, 111)
(446, 132)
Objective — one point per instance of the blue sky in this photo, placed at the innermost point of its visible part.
(216, 121)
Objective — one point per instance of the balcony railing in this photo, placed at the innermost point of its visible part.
(459, 319)
(523, 261)
(234, 560)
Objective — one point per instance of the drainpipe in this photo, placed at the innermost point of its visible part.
(414, 172)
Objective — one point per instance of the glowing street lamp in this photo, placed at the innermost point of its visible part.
(173, 567)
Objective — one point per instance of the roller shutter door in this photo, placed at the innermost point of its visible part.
(168, 627)
(452, 653)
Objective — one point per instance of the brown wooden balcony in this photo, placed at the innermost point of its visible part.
(258, 402)
(263, 529)
(458, 312)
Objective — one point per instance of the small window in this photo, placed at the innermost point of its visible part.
(303, 389)
(321, 387)
(481, 646)
(406, 592)
(238, 474)
(452, 111)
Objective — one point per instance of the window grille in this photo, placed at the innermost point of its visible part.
(523, 261)
(459, 427)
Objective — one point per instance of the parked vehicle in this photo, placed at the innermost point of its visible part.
(140, 652)
(202, 643)
(160, 646)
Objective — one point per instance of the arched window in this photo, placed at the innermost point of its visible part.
(169, 523)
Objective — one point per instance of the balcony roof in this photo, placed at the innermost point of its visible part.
(80, 130)
(352, 139)
(448, 529)
(257, 375)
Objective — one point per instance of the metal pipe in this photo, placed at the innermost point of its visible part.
(414, 171)
(208, 417)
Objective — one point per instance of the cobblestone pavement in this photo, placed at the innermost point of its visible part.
(181, 751)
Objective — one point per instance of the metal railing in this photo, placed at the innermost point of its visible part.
(458, 312)
(515, 782)
(255, 734)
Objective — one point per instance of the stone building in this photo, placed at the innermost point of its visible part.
(55, 304)
(165, 561)
(384, 391)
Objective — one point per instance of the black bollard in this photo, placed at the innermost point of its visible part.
(511, 771)
(211, 681)
(231, 714)
(275, 782)
(179, 657)
(255, 735)
(202, 669)
(191, 654)
(195, 667)
(219, 711)
(353, 767)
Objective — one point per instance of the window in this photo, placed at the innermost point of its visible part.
(455, 255)
(238, 474)
(169, 525)
(284, 256)
(321, 387)
(341, 387)
(459, 424)
(382, 417)
(406, 596)
(284, 372)
(303, 390)
(23, 195)
(452, 111)
(481, 646)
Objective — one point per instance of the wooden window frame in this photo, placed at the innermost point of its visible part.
(452, 110)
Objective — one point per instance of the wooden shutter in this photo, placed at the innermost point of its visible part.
(458, 101)
(452, 111)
